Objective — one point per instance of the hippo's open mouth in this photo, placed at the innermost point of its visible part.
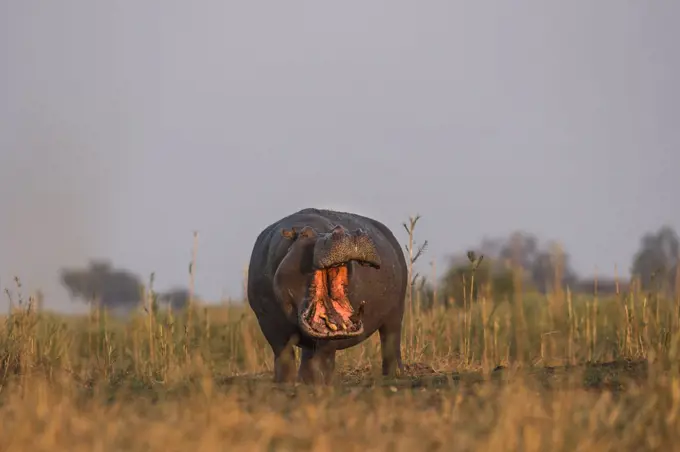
(326, 313)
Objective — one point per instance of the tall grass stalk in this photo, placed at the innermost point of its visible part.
(413, 255)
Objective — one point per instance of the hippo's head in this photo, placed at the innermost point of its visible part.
(312, 280)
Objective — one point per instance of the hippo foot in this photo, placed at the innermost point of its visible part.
(284, 366)
(393, 373)
(317, 367)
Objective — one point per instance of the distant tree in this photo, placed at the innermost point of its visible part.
(656, 261)
(543, 267)
(549, 264)
(520, 248)
(101, 283)
(177, 298)
(542, 263)
(457, 283)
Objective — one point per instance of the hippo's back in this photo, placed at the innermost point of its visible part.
(270, 247)
(349, 220)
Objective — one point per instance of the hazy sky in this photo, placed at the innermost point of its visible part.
(124, 126)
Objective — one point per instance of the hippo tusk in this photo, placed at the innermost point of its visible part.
(328, 322)
(359, 312)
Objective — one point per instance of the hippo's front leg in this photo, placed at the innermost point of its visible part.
(284, 365)
(317, 365)
(281, 339)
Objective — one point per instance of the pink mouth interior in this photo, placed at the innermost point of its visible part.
(330, 308)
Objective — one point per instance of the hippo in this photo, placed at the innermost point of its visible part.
(323, 281)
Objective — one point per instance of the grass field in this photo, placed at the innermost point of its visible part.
(555, 372)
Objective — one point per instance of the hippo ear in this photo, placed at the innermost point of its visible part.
(338, 232)
(308, 232)
(290, 234)
(358, 232)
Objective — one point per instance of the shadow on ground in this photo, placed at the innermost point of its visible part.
(613, 376)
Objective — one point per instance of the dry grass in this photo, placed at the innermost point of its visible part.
(486, 377)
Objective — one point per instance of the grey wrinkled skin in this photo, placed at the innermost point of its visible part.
(282, 264)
